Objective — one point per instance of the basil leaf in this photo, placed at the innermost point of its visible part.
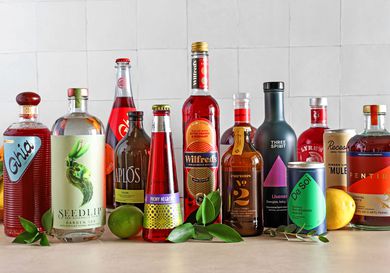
(35, 238)
(28, 226)
(47, 221)
(44, 241)
(201, 233)
(290, 228)
(208, 211)
(181, 233)
(215, 198)
(323, 239)
(311, 232)
(22, 237)
(224, 233)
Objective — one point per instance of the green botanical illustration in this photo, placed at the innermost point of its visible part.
(78, 174)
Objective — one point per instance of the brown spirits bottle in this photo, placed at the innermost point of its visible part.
(242, 177)
(131, 164)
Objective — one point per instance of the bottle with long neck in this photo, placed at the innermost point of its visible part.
(310, 143)
(77, 145)
(26, 167)
(200, 135)
(162, 200)
(277, 142)
(118, 122)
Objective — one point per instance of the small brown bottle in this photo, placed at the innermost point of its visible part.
(131, 164)
(242, 178)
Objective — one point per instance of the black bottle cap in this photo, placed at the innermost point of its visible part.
(273, 86)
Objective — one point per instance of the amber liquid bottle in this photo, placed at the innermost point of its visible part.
(200, 135)
(162, 201)
(368, 168)
(118, 122)
(131, 164)
(242, 178)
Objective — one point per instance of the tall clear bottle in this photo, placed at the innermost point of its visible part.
(200, 117)
(277, 143)
(118, 123)
(162, 200)
(77, 145)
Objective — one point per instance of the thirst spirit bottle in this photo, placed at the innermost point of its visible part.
(131, 164)
(162, 201)
(118, 122)
(200, 135)
(310, 142)
(242, 179)
(368, 165)
(77, 146)
(26, 167)
(277, 143)
(242, 117)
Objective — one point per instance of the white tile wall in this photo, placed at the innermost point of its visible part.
(335, 48)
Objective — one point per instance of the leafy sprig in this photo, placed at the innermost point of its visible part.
(199, 225)
(31, 232)
(294, 233)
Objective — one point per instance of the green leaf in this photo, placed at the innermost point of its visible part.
(44, 241)
(47, 221)
(311, 232)
(281, 228)
(22, 237)
(224, 233)
(74, 149)
(192, 217)
(35, 238)
(201, 233)
(181, 233)
(82, 151)
(1, 168)
(323, 239)
(215, 198)
(27, 225)
(208, 211)
(290, 228)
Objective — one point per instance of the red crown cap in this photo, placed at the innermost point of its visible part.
(122, 60)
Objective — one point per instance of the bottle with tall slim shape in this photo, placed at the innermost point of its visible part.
(277, 142)
(78, 178)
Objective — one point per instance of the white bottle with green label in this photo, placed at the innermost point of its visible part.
(78, 177)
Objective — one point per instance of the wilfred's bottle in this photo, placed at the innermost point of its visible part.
(26, 167)
(118, 122)
(242, 179)
(162, 201)
(131, 164)
(277, 143)
(200, 135)
(77, 145)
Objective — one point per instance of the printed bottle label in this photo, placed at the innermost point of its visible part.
(78, 181)
(128, 185)
(311, 153)
(318, 116)
(201, 160)
(129, 196)
(119, 121)
(369, 182)
(200, 73)
(162, 211)
(19, 151)
(243, 196)
(239, 140)
(242, 115)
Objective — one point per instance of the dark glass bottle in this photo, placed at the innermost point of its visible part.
(277, 142)
(131, 164)
(242, 179)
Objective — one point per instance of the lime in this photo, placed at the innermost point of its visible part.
(125, 221)
(340, 208)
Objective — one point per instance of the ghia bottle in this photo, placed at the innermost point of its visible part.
(242, 179)
(118, 123)
(26, 167)
(162, 201)
(131, 164)
(368, 167)
(200, 135)
(277, 143)
(78, 178)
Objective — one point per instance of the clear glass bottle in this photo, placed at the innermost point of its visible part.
(368, 165)
(78, 177)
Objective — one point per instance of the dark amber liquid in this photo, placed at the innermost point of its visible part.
(360, 143)
(30, 197)
(227, 137)
(197, 107)
(112, 141)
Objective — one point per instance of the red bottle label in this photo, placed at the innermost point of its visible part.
(119, 121)
(200, 73)
(311, 153)
(242, 115)
(374, 114)
(369, 182)
(318, 115)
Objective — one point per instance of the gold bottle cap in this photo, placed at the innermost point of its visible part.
(381, 108)
(200, 47)
(244, 128)
(161, 107)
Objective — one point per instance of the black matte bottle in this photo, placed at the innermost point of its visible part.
(277, 142)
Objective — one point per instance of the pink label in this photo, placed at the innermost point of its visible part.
(277, 176)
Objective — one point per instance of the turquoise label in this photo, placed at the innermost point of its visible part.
(18, 154)
(306, 203)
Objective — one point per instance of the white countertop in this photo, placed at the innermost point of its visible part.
(348, 251)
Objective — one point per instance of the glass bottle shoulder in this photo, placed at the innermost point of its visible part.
(200, 103)
(137, 140)
(26, 128)
(313, 135)
(249, 156)
(78, 123)
(280, 130)
(378, 142)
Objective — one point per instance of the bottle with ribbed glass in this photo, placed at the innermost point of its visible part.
(78, 176)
